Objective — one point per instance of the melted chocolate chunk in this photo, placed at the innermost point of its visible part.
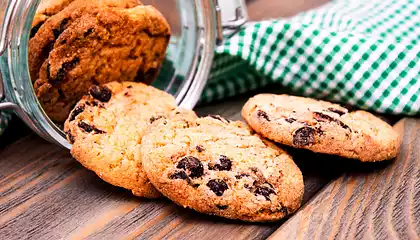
(67, 66)
(242, 175)
(153, 119)
(78, 110)
(179, 175)
(199, 148)
(88, 128)
(193, 165)
(224, 165)
(57, 32)
(70, 137)
(102, 93)
(221, 207)
(334, 110)
(264, 191)
(320, 117)
(217, 186)
(35, 29)
(290, 120)
(304, 136)
(217, 117)
(262, 114)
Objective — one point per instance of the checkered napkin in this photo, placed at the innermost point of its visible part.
(364, 53)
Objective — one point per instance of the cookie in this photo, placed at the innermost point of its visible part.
(46, 29)
(106, 127)
(111, 44)
(321, 127)
(219, 167)
(45, 10)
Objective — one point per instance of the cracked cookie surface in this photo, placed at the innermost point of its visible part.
(219, 167)
(106, 128)
(95, 45)
(321, 127)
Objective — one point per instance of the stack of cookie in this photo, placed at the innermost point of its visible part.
(93, 55)
(133, 136)
(75, 44)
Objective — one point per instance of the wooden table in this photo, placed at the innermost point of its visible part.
(46, 194)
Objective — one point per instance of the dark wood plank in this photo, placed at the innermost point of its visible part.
(375, 201)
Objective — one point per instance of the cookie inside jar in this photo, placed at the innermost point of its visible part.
(77, 44)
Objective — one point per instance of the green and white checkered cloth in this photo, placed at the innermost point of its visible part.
(362, 53)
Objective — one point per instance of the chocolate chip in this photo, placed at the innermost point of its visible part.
(339, 112)
(78, 110)
(70, 137)
(179, 175)
(57, 32)
(126, 94)
(221, 207)
(264, 191)
(129, 86)
(193, 165)
(146, 77)
(35, 29)
(88, 128)
(199, 148)
(304, 136)
(67, 66)
(262, 114)
(242, 175)
(219, 118)
(290, 120)
(217, 186)
(88, 32)
(196, 185)
(224, 165)
(153, 119)
(102, 93)
(321, 117)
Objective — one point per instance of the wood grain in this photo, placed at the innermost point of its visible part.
(375, 201)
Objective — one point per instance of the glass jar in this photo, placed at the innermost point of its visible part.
(197, 27)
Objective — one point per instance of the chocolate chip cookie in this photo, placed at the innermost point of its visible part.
(219, 167)
(101, 45)
(321, 127)
(106, 128)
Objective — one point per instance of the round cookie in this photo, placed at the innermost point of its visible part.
(110, 44)
(219, 167)
(106, 128)
(321, 127)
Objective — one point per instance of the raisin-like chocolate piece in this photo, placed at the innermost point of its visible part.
(224, 165)
(217, 186)
(78, 110)
(70, 137)
(193, 165)
(339, 112)
(200, 148)
(179, 175)
(221, 207)
(35, 29)
(88, 128)
(262, 114)
(57, 32)
(325, 118)
(217, 117)
(67, 66)
(153, 119)
(304, 136)
(290, 120)
(264, 191)
(242, 175)
(102, 93)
